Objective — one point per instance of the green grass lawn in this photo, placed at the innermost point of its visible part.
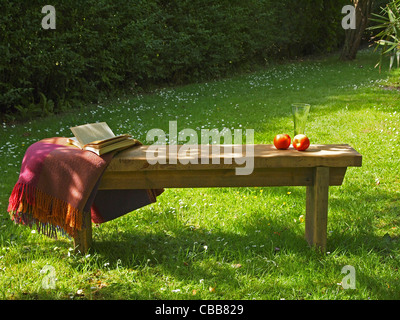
(229, 243)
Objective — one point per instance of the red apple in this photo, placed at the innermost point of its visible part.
(301, 142)
(282, 141)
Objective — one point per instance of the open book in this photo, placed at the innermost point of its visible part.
(98, 138)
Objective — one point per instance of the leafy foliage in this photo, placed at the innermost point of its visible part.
(101, 46)
(388, 21)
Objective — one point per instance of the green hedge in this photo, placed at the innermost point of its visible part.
(101, 46)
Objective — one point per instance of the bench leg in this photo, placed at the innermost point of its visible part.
(83, 238)
(317, 209)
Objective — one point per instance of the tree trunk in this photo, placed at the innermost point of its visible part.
(354, 36)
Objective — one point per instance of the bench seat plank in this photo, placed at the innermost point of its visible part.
(265, 156)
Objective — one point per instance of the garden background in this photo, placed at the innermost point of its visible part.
(103, 46)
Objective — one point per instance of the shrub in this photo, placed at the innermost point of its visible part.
(388, 23)
(103, 46)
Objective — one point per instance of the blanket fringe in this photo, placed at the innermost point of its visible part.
(28, 205)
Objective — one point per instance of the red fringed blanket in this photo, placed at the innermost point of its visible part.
(58, 184)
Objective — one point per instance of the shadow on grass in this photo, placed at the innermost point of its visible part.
(359, 213)
(358, 210)
(181, 253)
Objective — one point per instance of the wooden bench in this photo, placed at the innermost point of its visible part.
(317, 168)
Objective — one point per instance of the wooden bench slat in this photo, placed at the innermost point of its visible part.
(265, 156)
(267, 177)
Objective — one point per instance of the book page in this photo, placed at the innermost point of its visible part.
(92, 132)
(116, 146)
(101, 143)
(74, 141)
